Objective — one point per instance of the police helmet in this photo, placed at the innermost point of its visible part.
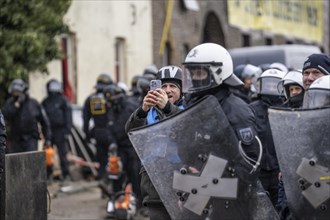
(113, 92)
(170, 74)
(103, 80)
(143, 84)
(318, 94)
(151, 70)
(238, 70)
(293, 77)
(134, 81)
(206, 66)
(244, 71)
(17, 86)
(279, 66)
(267, 83)
(54, 86)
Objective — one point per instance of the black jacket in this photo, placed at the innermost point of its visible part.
(59, 112)
(95, 108)
(118, 116)
(269, 159)
(239, 115)
(23, 121)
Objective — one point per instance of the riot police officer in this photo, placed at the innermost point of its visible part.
(293, 88)
(208, 70)
(58, 110)
(269, 95)
(95, 108)
(120, 108)
(318, 94)
(247, 74)
(134, 92)
(213, 75)
(23, 115)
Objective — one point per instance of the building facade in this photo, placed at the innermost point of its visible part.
(122, 37)
(235, 23)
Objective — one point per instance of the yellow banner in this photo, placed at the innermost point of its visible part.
(298, 18)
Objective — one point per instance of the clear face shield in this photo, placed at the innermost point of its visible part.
(270, 86)
(316, 98)
(196, 77)
(281, 88)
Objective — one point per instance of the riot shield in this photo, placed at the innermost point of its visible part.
(25, 186)
(302, 143)
(200, 137)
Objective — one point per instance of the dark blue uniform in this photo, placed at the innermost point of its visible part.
(95, 108)
(269, 164)
(118, 115)
(59, 112)
(23, 123)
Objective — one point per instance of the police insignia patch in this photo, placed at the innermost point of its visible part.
(246, 135)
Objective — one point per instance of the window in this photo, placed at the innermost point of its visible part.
(269, 41)
(120, 69)
(246, 40)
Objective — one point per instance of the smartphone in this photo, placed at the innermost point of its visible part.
(155, 84)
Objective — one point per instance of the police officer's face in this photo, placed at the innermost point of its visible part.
(198, 74)
(247, 82)
(310, 75)
(295, 90)
(173, 92)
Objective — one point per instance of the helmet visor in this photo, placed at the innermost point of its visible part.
(281, 88)
(269, 86)
(196, 77)
(316, 98)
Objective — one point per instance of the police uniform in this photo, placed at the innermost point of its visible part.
(269, 164)
(95, 108)
(23, 122)
(118, 115)
(58, 110)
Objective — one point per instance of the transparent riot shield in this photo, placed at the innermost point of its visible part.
(302, 143)
(193, 160)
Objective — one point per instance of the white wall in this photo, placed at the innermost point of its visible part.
(96, 25)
